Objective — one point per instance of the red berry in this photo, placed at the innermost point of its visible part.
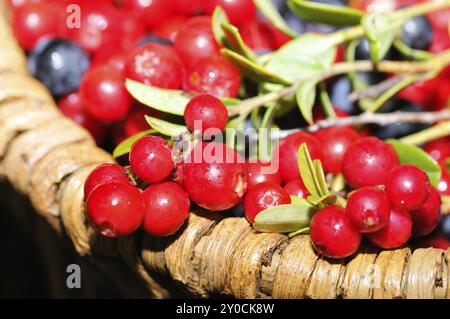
(104, 95)
(213, 75)
(439, 241)
(151, 13)
(368, 209)
(169, 29)
(296, 187)
(115, 209)
(444, 183)
(396, 232)
(151, 159)
(426, 218)
(167, 208)
(135, 121)
(188, 7)
(438, 149)
(111, 59)
(238, 11)
(205, 112)
(257, 35)
(215, 176)
(263, 196)
(260, 172)
(335, 143)
(407, 187)
(332, 233)
(155, 64)
(287, 153)
(367, 162)
(102, 174)
(195, 40)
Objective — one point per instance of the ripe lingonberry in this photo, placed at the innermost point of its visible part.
(188, 7)
(260, 172)
(213, 75)
(395, 233)
(297, 188)
(215, 176)
(135, 121)
(102, 174)
(438, 149)
(167, 208)
(115, 209)
(151, 159)
(443, 186)
(238, 11)
(152, 13)
(256, 34)
(332, 233)
(368, 209)
(287, 153)
(155, 64)
(104, 95)
(367, 162)
(426, 217)
(335, 142)
(206, 112)
(169, 29)
(407, 187)
(263, 196)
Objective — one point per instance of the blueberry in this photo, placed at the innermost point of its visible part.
(150, 38)
(417, 33)
(362, 51)
(339, 91)
(445, 225)
(281, 6)
(400, 129)
(59, 64)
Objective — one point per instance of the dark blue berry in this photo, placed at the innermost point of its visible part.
(339, 91)
(59, 64)
(445, 225)
(362, 51)
(417, 33)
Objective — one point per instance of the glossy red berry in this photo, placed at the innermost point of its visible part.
(367, 162)
(151, 159)
(104, 95)
(395, 233)
(332, 233)
(256, 34)
(151, 13)
(169, 29)
(135, 121)
(215, 176)
(296, 188)
(113, 59)
(443, 186)
(167, 208)
(335, 143)
(260, 172)
(287, 152)
(188, 7)
(407, 187)
(195, 40)
(155, 64)
(102, 174)
(368, 209)
(206, 114)
(238, 11)
(115, 209)
(213, 75)
(263, 196)
(438, 149)
(426, 217)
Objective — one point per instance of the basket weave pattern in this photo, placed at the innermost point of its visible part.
(48, 157)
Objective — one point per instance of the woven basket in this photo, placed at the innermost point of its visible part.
(48, 157)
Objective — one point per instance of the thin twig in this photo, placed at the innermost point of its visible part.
(376, 90)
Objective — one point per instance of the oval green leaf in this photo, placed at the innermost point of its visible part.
(273, 15)
(306, 96)
(284, 218)
(217, 19)
(166, 128)
(125, 146)
(237, 43)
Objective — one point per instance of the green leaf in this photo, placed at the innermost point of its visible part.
(283, 218)
(230, 102)
(164, 100)
(318, 169)
(273, 15)
(410, 154)
(125, 146)
(406, 51)
(251, 69)
(217, 19)
(338, 183)
(306, 96)
(299, 201)
(325, 13)
(310, 174)
(329, 199)
(236, 43)
(326, 102)
(164, 127)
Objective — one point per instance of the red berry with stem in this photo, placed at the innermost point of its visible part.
(332, 233)
(102, 174)
(115, 209)
(167, 208)
(195, 40)
(155, 64)
(335, 143)
(426, 217)
(104, 95)
(213, 75)
(238, 11)
(287, 151)
(296, 188)
(438, 149)
(368, 209)
(215, 176)
(260, 172)
(205, 113)
(263, 196)
(151, 159)
(407, 187)
(395, 233)
(367, 162)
